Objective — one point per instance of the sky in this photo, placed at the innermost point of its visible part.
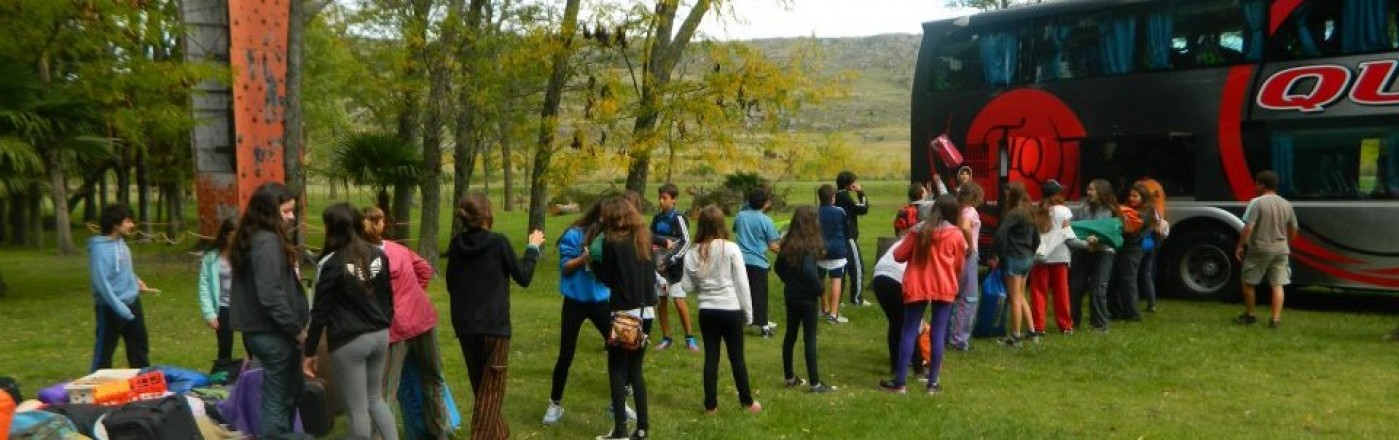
(827, 18)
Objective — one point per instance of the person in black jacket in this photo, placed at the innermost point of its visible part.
(354, 300)
(480, 265)
(796, 266)
(267, 303)
(626, 267)
(851, 198)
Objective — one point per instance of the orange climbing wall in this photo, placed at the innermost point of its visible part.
(258, 54)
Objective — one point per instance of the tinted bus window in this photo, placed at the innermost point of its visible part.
(957, 63)
(1347, 164)
(1322, 28)
(1217, 32)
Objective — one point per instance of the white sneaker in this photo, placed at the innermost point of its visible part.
(772, 324)
(842, 319)
(553, 414)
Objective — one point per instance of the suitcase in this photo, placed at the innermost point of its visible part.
(168, 418)
(946, 151)
(314, 408)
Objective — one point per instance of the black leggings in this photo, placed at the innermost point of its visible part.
(624, 368)
(889, 292)
(801, 315)
(572, 317)
(724, 326)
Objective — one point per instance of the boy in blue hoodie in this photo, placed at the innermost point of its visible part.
(115, 292)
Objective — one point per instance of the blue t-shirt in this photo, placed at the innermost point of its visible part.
(580, 285)
(753, 230)
(833, 230)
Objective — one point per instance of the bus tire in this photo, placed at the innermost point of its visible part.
(1200, 264)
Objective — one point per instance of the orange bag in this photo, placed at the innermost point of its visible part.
(1131, 220)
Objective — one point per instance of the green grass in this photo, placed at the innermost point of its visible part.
(1184, 373)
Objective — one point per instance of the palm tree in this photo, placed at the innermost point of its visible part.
(381, 161)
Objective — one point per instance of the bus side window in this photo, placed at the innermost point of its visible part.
(957, 64)
(1345, 164)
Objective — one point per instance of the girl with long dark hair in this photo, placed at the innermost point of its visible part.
(584, 299)
(1139, 219)
(1091, 267)
(268, 304)
(216, 285)
(801, 248)
(480, 265)
(714, 272)
(627, 268)
(1016, 239)
(1050, 277)
(354, 305)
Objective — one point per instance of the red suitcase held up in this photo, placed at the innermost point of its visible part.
(945, 151)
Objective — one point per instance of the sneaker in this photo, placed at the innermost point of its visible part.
(553, 414)
(1151, 309)
(769, 332)
(1273, 323)
(934, 388)
(639, 434)
(889, 386)
(691, 343)
(614, 435)
(837, 319)
(1246, 319)
(1011, 341)
(822, 388)
(772, 325)
(665, 343)
(1068, 332)
(794, 381)
(755, 407)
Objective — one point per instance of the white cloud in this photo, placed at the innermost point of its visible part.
(825, 18)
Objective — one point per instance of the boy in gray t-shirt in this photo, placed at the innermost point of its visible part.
(1269, 225)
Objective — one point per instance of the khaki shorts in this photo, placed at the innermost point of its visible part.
(1275, 267)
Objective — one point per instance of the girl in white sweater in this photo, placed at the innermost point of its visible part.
(715, 274)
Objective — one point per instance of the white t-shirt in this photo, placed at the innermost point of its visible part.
(886, 266)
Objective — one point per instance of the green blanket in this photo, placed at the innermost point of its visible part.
(1108, 230)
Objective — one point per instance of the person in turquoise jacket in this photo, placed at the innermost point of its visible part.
(116, 292)
(215, 283)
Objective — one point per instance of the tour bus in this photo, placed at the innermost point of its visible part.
(1197, 94)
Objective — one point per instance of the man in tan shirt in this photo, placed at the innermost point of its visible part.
(1269, 225)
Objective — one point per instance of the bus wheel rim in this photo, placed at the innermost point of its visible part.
(1205, 269)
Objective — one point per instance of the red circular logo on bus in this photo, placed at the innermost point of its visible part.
(1042, 134)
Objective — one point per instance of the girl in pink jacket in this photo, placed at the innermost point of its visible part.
(935, 252)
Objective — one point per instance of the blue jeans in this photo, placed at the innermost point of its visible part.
(281, 382)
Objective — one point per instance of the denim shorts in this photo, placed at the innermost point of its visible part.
(1018, 266)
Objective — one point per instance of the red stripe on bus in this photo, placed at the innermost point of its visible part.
(1231, 144)
(1311, 248)
(1390, 271)
(1346, 275)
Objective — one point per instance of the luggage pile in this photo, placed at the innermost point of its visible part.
(160, 403)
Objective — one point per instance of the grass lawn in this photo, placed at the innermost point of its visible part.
(1184, 372)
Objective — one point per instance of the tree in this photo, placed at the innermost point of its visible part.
(381, 161)
(440, 73)
(561, 52)
(665, 48)
(302, 12)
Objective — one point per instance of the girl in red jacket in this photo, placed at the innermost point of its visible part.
(935, 252)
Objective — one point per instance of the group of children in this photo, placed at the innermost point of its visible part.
(370, 301)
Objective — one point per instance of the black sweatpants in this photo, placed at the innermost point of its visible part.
(111, 328)
(572, 317)
(758, 287)
(890, 294)
(726, 327)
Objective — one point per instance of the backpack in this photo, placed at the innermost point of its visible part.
(905, 218)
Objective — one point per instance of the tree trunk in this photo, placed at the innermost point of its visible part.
(440, 79)
(101, 190)
(4, 216)
(36, 216)
(58, 182)
(143, 191)
(465, 129)
(665, 53)
(294, 172)
(123, 170)
(506, 164)
(18, 218)
(173, 215)
(548, 118)
(403, 210)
